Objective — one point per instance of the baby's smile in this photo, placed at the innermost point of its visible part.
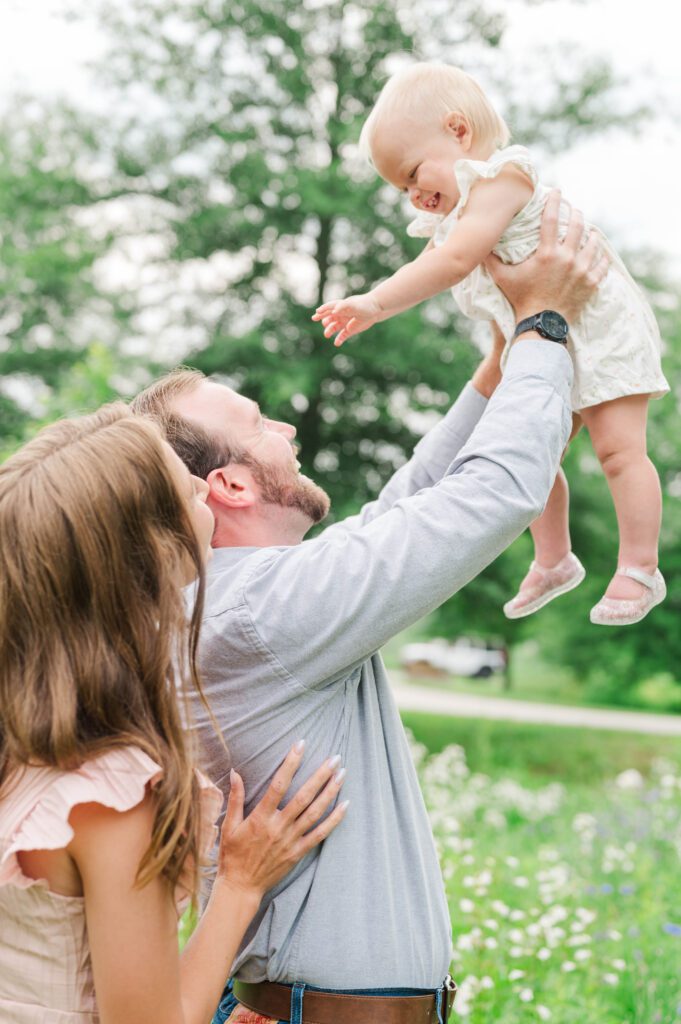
(432, 202)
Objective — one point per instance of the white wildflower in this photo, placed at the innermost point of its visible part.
(526, 995)
(630, 779)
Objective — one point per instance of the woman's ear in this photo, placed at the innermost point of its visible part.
(458, 125)
(232, 487)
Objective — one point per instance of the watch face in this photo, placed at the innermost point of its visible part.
(554, 324)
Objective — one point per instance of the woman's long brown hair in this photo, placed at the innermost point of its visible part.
(95, 648)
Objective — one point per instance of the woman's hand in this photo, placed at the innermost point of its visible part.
(561, 275)
(349, 316)
(257, 851)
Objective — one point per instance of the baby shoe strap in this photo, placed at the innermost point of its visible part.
(639, 575)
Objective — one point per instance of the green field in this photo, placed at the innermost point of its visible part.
(561, 852)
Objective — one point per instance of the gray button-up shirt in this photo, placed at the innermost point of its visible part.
(289, 650)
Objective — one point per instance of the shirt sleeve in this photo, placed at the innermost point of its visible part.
(324, 606)
(430, 461)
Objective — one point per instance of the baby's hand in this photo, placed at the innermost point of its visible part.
(348, 316)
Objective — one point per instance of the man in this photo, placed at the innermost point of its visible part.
(291, 634)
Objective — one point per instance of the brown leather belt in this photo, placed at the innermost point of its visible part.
(274, 1001)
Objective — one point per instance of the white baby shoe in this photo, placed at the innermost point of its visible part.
(611, 611)
(564, 576)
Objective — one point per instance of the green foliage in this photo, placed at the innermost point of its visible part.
(541, 752)
(231, 151)
(46, 254)
(260, 104)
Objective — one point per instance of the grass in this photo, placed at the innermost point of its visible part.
(542, 751)
(560, 851)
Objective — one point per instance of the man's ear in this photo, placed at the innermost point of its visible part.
(459, 126)
(232, 486)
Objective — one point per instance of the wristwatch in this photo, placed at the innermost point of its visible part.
(548, 323)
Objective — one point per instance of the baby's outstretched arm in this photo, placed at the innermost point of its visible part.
(488, 212)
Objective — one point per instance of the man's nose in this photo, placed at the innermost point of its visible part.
(287, 429)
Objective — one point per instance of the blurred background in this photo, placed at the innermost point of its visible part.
(179, 181)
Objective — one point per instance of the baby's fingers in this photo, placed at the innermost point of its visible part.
(327, 307)
(324, 829)
(347, 332)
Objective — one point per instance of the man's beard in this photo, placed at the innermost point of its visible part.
(290, 491)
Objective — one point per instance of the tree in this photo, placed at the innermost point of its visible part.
(252, 110)
(50, 305)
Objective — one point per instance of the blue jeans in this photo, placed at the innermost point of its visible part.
(228, 1003)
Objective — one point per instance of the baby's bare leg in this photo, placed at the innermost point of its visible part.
(551, 531)
(618, 435)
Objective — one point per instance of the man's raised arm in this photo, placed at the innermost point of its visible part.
(323, 606)
(559, 274)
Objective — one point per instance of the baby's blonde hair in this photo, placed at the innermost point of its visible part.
(428, 91)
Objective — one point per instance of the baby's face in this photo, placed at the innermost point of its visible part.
(419, 160)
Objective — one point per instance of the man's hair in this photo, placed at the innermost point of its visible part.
(200, 451)
(429, 90)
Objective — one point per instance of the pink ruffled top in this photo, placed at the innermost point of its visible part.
(45, 968)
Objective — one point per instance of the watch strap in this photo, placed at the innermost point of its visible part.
(537, 323)
(528, 324)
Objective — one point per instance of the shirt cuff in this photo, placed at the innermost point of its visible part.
(466, 411)
(534, 357)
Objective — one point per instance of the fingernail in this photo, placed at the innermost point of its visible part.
(344, 806)
(333, 762)
(299, 747)
(232, 777)
(339, 776)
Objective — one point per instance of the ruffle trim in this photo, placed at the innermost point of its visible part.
(468, 173)
(117, 779)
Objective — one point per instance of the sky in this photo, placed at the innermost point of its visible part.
(625, 184)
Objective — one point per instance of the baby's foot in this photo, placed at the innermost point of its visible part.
(624, 588)
(624, 611)
(542, 584)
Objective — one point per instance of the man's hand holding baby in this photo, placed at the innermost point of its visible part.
(560, 275)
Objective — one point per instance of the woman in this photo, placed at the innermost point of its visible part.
(104, 821)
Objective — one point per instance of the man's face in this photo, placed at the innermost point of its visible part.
(269, 445)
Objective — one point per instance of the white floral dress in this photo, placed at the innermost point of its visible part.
(615, 342)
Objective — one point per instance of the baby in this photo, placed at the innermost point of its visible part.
(434, 135)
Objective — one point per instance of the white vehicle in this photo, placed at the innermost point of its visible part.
(464, 657)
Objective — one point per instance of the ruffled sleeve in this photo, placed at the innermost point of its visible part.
(116, 779)
(469, 172)
(424, 225)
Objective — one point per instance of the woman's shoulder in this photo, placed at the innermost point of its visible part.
(37, 802)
